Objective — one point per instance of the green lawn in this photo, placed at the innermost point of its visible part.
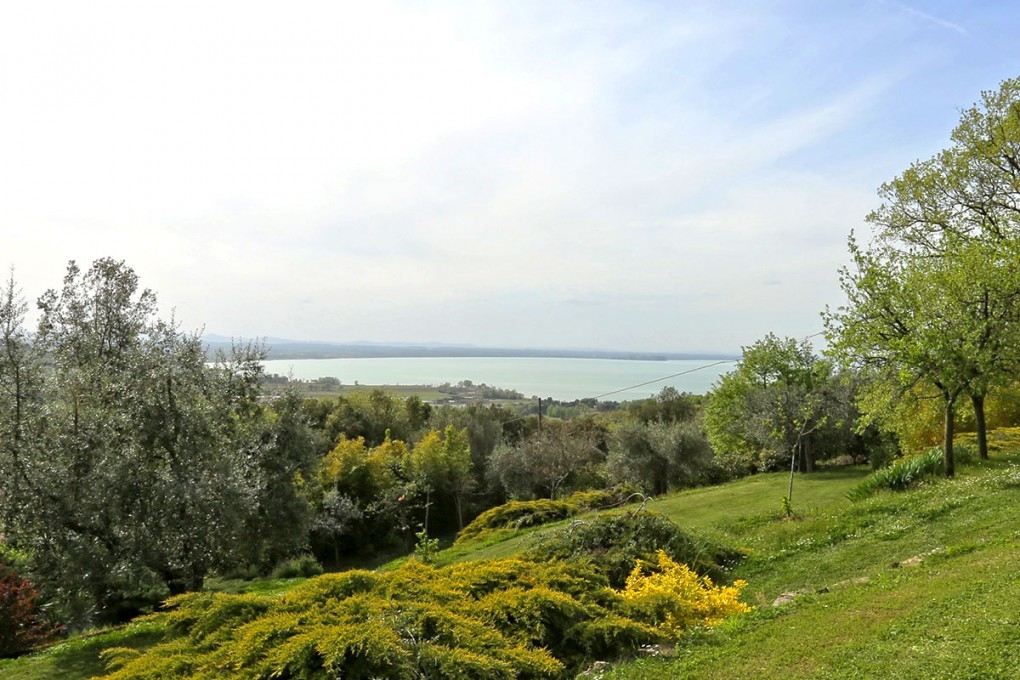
(921, 584)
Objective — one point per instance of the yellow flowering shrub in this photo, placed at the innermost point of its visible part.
(524, 618)
(678, 599)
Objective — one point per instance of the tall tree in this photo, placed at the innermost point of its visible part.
(130, 474)
(561, 455)
(947, 321)
(963, 201)
(442, 464)
(770, 406)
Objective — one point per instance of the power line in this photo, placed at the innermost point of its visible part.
(666, 377)
(690, 370)
(675, 375)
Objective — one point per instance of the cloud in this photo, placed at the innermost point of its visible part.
(931, 18)
(621, 174)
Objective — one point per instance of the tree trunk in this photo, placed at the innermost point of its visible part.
(428, 502)
(460, 512)
(809, 454)
(980, 425)
(948, 443)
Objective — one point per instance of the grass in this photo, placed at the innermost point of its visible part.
(79, 656)
(921, 583)
(916, 584)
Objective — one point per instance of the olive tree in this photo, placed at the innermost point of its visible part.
(128, 462)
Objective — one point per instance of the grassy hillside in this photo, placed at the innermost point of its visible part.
(918, 584)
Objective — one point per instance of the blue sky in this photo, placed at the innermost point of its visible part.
(671, 176)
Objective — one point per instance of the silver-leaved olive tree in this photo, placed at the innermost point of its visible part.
(130, 465)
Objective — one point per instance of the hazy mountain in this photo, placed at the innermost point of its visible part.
(282, 348)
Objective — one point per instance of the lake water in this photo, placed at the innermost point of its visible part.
(562, 379)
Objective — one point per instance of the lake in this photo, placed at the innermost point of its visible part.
(562, 379)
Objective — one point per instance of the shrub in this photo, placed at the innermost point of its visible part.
(304, 566)
(22, 627)
(496, 619)
(678, 599)
(513, 516)
(517, 515)
(603, 499)
(904, 473)
(617, 541)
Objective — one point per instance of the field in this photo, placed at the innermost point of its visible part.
(916, 584)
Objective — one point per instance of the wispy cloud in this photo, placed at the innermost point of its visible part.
(931, 18)
(569, 174)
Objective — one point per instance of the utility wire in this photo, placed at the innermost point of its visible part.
(690, 370)
(675, 375)
(634, 387)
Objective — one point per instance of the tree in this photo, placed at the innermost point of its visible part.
(442, 464)
(770, 407)
(21, 378)
(282, 455)
(358, 497)
(568, 454)
(661, 444)
(659, 455)
(962, 201)
(669, 405)
(125, 475)
(375, 415)
(917, 320)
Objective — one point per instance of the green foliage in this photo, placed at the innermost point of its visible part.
(425, 549)
(130, 468)
(286, 454)
(618, 540)
(934, 299)
(668, 406)
(563, 456)
(907, 472)
(661, 454)
(303, 566)
(373, 416)
(359, 498)
(497, 619)
(441, 464)
(780, 400)
(604, 499)
(514, 516)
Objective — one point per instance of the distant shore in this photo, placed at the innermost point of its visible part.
(286, 349)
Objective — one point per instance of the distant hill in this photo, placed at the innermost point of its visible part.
(280, 348)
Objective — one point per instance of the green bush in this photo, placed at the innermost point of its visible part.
(547, 615)
(616, 541)
(516, 515)
(604, 499)
(513, 516)
(304, 566)
(910, 471)
(498, 619)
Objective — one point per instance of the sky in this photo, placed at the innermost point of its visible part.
(634, 175)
